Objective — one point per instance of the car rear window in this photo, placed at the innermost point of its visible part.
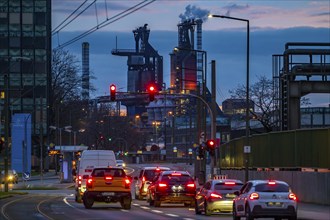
(177, 179)
(108, 172)
(228, 187)
(265, 187)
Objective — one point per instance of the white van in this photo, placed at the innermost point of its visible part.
(89, 160)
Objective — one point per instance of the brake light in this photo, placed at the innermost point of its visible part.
(127, 183)
(79, 180)
(176, 174)
(293, 197)
(162, 184)
(79, 177)
(89, 183)
(230, 183)
(271, 183)
(191, 185)
(254, 196)
(108, 178)
(157, 169)
(143, 179)
(215, 196)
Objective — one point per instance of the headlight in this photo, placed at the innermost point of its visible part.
(124, 165)
(10, 177)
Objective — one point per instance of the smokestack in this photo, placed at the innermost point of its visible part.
(199, 23)
(85, 71)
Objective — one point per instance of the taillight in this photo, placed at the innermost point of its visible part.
(176, 174)
(127, 183)
(254, 196)
(292, 196)
(215, 196)
(79, 177)
(108, 178)
(162, 185)
(271, 182)
(230, 183)
(191, 185)
(79, 181)
(89, 183)
(143, 179)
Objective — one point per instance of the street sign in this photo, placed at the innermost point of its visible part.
(26, 176)
(247, 149)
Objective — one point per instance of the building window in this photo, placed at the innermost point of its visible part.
(15, 42)
(27, 30)
(14, 18)
(27, 6)
(14, 30)
(14, 6)
(41, 79)
(28, 80)
(15, 79)
(27, 18)
(40, 31)
(40, 6)
(28, 53)
(41, 55)
(3, 30)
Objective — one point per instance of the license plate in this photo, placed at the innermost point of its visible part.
(108, 194)
(274, 204)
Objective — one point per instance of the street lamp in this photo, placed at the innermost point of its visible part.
(247, 120)
(74, 134)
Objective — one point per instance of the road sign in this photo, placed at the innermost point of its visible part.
(26, 176)
(247, 149)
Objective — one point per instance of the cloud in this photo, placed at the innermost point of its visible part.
(235, 7)
(193, 12)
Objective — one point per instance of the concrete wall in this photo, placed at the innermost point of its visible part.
(311, 187)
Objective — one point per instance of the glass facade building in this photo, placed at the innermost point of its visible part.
(25, 59)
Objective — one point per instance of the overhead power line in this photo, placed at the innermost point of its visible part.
(108, 21)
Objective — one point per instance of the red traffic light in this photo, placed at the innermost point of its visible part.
(112, 92)
(210, 144)
(151, 91)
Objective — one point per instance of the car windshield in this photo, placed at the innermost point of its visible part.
(228, 187)
(173, 179)
(150, 174)
(265, 187)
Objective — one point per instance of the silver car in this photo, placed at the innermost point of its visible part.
(265, 199)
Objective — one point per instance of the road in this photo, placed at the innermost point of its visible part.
(60, 204)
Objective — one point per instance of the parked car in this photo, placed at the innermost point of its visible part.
(172, 187)
(217, 196)
(265, 199)
(142, 181)
(12, 176)
(120, 163)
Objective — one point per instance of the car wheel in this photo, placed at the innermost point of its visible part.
(235, 217)
(88, 202)
(248, 214)
(293, 217)
(206, 209)
(126, 203)
(196, 209)
(157, 202)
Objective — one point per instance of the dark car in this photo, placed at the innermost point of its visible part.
(172, 187)
(11, 178)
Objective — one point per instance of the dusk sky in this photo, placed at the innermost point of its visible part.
(272, 24)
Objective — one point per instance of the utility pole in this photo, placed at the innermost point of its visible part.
(6, 144)
(41, 141)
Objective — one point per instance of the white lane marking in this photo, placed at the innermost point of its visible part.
(124, 210)
(157, 211)
(172, 215)
(135, 204)
(66, 202)
(144, 207)
(188, 218)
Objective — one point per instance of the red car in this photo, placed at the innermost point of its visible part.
(172, 187)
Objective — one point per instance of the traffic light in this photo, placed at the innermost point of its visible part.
(112, 92)
(151, 91)
(210, 146)
(201, 151)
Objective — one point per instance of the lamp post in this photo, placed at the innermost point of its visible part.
(247, 110)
